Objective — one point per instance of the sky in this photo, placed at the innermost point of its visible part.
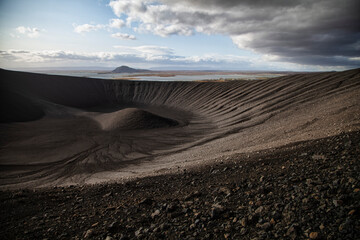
(297, 35)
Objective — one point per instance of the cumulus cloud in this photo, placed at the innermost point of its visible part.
(113, 23)
(87, 28)
(28, 31)
(123, 36)
(323, 32)
(116, 23)
(153, 17)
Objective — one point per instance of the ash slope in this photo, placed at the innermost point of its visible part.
(64, 130)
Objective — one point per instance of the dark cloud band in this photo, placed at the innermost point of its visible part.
(322, 32)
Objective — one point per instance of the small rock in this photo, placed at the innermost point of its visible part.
(305, 200)
(171, 207)
(291, 231)
(138, 232)
(164, 226)
(318, 157)
(337, 203)
(89, 233)
(107, 195)
(146, 201)
(243, 222)
(216, 210)
(155, 214)
(112, 226)
(225, 191)
(259, 209)
(313, 235)
(64, 235)
(352, 212)
(108, 238)
(265, 226)
(342, 227)
(192, 195)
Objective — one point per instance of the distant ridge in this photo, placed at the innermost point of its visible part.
(126, 69)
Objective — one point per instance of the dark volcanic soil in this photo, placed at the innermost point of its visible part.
(300, 191)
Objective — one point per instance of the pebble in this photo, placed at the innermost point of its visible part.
(216, 210)
(265, 226)
(337, 203)
(146, 201)
(155, 214)
(352, 212)
(243, 222)
(259, 209)
(318, 157)
(314, 235)
(112, 226)
(107, 195)
(225, 191)
(138, 232)
(89, 233)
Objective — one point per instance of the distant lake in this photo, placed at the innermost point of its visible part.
(174, 77)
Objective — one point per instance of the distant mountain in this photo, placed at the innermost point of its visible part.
(126, 69)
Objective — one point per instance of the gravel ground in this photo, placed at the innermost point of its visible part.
(306, 190)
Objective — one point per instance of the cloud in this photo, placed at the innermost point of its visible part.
(123, 36)
(113, 23)
(146, 56)
(153, 17)
(28, 31)
(116, 23)
(147, 52)
(87, 28)
(323, 32)
(140, 55)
